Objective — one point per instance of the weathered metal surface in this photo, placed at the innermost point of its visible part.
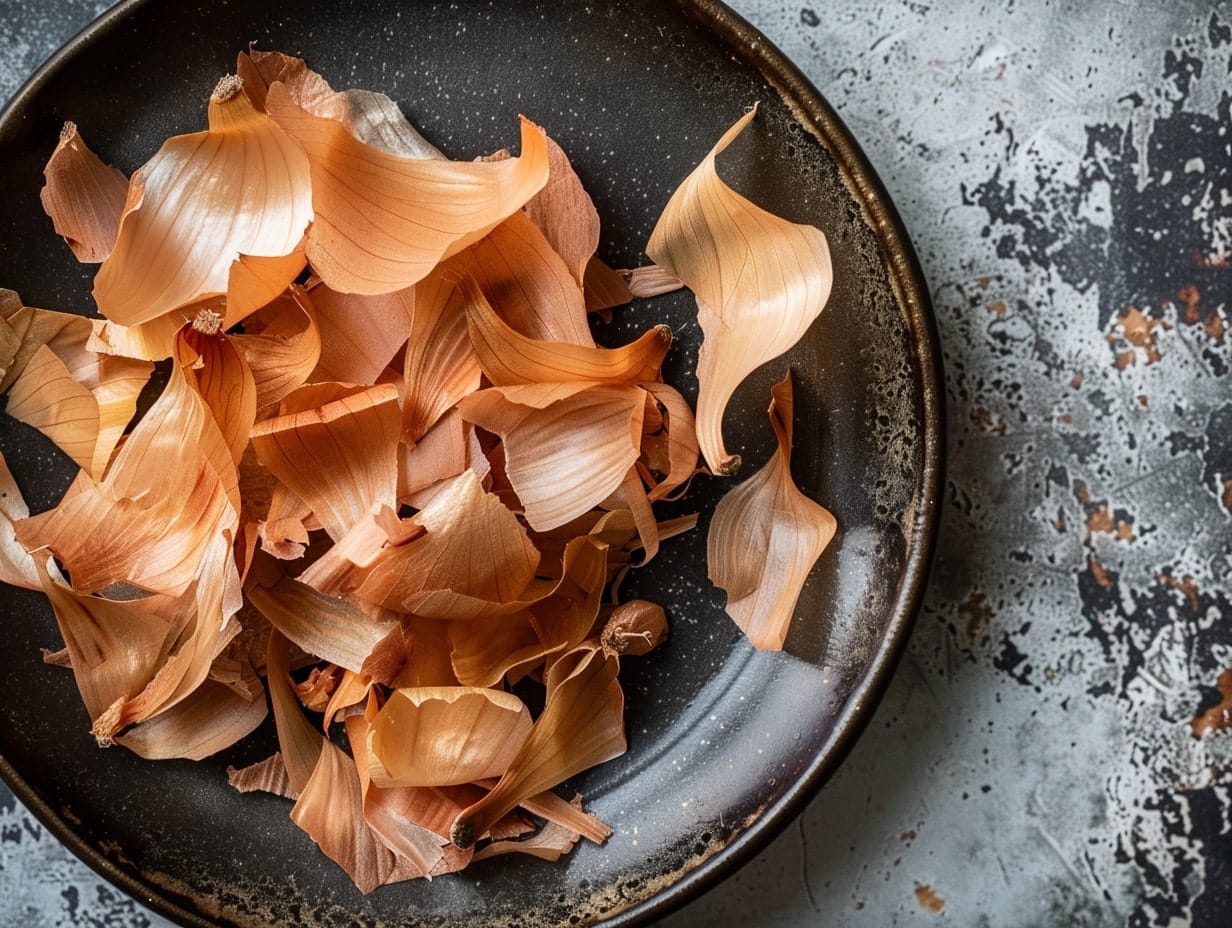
(1052, 751)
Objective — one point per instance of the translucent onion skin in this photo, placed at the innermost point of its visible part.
(765, 538)
(760, 283)
(201, 206)
(390, 459)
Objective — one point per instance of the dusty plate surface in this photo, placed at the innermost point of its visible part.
(726, 744)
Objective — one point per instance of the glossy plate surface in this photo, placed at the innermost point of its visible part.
(726, 744)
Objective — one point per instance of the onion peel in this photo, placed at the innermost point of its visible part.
(581, 725)
(171, 249)
(83, 197)
(340, 458)
(765, 537)
(429, 209)
(567, 446)
(509, 358)
(445, 736)
(760, 282)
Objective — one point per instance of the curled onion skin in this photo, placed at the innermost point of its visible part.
(84, 198)
(765, 538)
(431, 208)
(760, 282)
(201, 207)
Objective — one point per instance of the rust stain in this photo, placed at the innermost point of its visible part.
(1138, 330)
(1065, 419)
(1185, 585)
(1215, 262)
(983, 282)
(1143, 400)
(1190, 297)
(1212, 320)
(928, 899)
(910, 835)
(1076, 380)
(998, 308)
(1218, 717)
(1227, 494)
(1215, 327)
(977, 617)
(1101, 520)
(985, 420)
(1100, 573)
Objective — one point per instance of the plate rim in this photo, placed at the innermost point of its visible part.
(815, 114)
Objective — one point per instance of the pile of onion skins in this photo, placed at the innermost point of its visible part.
(390, 475)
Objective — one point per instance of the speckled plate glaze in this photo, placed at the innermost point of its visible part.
(725, 744)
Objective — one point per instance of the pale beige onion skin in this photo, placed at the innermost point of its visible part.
(760, 283)
(765, 537)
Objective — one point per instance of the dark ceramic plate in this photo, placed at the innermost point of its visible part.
(725, 744)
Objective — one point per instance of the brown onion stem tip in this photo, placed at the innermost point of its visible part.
(462, 834)
(227, 88)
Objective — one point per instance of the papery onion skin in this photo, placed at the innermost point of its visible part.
(567, 446)
(475, 559)
(509, 358)
(83, 197)
(340, 457)
(431, 209)
(765, 537)
(371, 117)
(581, 725)
(760, 282)
(241, 188)
(56, 383)
(445, 736)
(17, 566)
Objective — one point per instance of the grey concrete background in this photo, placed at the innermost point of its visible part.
(1054, 749)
